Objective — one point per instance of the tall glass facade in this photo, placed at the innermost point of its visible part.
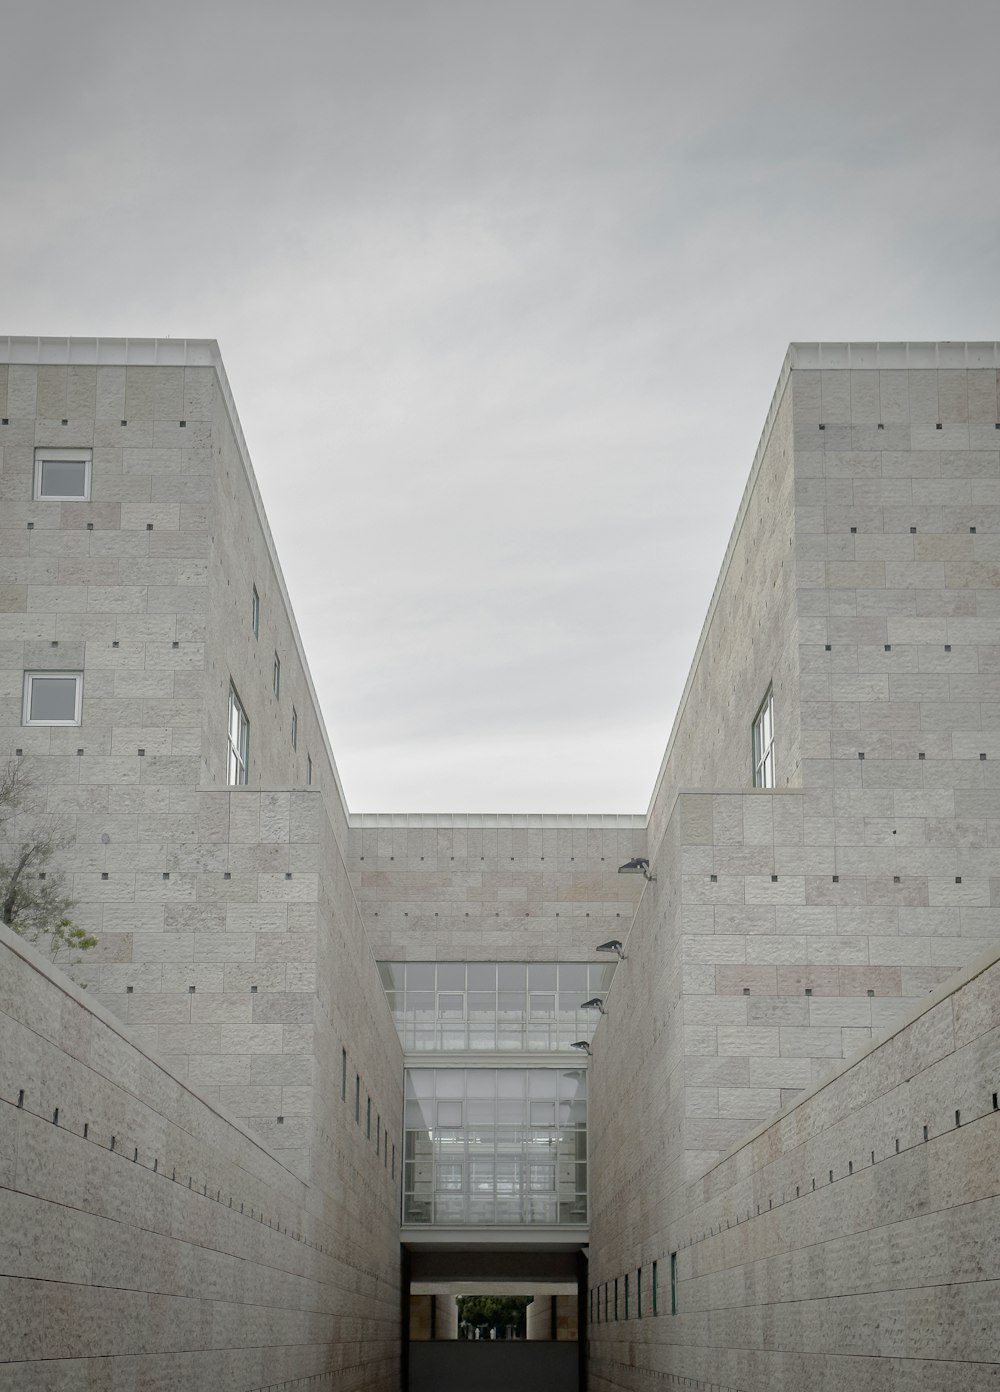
(484, 1144)
(495, 1146)
(505, 1007)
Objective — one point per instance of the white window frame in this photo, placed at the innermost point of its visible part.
(762, 743)
(53, 453)
(276, 677)
(238, 759)
(31, 677)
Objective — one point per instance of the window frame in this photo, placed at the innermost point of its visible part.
(30, 677)
(234, 757)
(53, 454)
(761, 755)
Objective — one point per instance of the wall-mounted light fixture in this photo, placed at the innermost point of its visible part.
(582, 1045)
(638, 865)
(595, 1003)
(613, 946)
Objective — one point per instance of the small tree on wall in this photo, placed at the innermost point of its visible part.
(34, 901)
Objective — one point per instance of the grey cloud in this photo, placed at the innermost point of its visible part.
(502, 292)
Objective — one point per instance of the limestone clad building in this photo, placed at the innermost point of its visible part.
(326, 1068)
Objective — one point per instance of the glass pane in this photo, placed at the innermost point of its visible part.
(572, 976)
(451, 976)
(600, 974)
(420, 976)
(482, 976)
(450, 1082)
(541, 976)
(511, 976)
(63, 478)
(53, 698)
(449, 1114)
(414, 1118)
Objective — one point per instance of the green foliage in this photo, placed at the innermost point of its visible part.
(34, 901)
(495, 1311)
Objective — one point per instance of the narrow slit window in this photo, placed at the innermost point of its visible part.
(763, 743)
(255, 613)
(276, 678)
(654, 1290)
(673, 1283)
(309, 770)
(295, 728)
(343, 1075)
(357, 1098)
(239, 741)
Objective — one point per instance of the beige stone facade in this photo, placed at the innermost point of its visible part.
(785, 929)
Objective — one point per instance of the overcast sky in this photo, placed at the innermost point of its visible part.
(502, 290)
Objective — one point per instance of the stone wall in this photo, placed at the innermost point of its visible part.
(494, 888)
(149, 1241)
(848, 1243)
(749, 641)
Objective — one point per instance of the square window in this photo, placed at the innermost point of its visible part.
(52, 698)
(276, 679)
(255, 613)
(63, 475)
(763, 743)
(239, 741)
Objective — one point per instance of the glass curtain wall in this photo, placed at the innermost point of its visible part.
(483, 1144)
(503, 1007)
(495, 1146)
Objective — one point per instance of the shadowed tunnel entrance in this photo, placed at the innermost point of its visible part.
(439, 1356)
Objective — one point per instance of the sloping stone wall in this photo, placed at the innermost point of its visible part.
(148, 1241)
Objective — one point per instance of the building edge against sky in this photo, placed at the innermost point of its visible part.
(848, 667)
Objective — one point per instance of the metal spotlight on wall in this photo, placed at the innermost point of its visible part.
(613, 946)
(582, 1045)
(595, 1003)
(638, 865)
